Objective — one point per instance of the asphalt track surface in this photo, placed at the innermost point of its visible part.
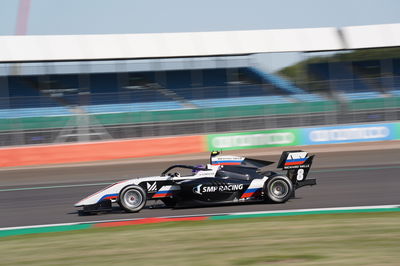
(46, 195)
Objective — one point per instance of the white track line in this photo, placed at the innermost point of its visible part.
(55, 186)
(322, 209)
(211, 214)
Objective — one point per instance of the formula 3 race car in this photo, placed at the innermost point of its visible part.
(226, 179)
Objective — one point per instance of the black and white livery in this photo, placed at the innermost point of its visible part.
(225, 179)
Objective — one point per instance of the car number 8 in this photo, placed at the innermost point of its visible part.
(300, 174)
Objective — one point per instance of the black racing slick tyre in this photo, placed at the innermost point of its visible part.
(132, 198)
(278, 189)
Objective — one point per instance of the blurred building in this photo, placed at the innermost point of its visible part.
(91, 87)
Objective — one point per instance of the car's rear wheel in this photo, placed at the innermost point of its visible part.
(278, 189)
(132, 198)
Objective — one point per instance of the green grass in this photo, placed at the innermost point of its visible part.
(348, 239)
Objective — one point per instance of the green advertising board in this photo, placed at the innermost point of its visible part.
(254, 139)
(397, 136)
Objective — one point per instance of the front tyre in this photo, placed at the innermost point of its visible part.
(132, 198)
(278, 189)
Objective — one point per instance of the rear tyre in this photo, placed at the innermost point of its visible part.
(278, 189)
(132, 198)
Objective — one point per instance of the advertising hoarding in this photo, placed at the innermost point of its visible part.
(348, 134)
(254, 139)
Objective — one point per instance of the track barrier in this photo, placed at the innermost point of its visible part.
(96, 151)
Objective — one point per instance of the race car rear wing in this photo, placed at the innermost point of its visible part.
(216, 159)
(298, 164)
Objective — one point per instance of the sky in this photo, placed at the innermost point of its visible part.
(50, 17)
(153, 16)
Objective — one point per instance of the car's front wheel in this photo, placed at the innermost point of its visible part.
(132, 198)
(278, 189)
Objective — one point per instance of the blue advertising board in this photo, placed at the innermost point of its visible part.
(348, 134)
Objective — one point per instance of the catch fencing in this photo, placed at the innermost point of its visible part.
(84, 128)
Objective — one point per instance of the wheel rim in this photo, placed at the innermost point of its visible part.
(132, 199)
(279, 189)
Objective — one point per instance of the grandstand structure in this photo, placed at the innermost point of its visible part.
(91, 87)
